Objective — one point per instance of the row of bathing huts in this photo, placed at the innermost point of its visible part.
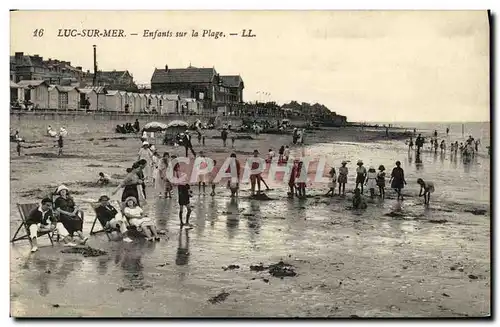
(38, 94)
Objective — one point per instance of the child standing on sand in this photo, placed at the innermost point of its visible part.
(371, 181)
(333, 182)
(184, 193)
(203, 179)
(343, 172)
(427, 187)
(233, 138)
(360, 175)
(212, 176)
(291, 181)
(60, 145)
(233, 183)
(381, 181)
(301, 184)
(286, 153)
(18, 148)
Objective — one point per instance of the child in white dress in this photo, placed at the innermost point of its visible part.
(371, 181)
(333, 182)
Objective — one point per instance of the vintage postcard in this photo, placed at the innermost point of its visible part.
(250, 164)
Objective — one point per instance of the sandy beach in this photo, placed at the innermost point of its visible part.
(396, 259)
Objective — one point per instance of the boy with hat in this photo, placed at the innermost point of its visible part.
(110, 217)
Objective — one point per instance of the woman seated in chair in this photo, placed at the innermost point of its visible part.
(110, 218)
(69, 214)
(137, 218)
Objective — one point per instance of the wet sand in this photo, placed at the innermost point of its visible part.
(393, 260)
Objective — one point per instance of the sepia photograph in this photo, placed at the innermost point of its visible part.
(250, 164)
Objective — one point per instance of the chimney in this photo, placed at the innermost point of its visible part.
(19, 55)
(166, 68)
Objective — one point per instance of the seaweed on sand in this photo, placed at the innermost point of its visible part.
(85, 251)
(218, 298)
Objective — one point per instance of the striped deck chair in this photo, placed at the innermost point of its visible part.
(24, 211)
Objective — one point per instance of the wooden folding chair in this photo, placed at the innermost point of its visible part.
(24, 211)
(105, 229)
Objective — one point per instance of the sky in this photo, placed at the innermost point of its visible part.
(367, 65)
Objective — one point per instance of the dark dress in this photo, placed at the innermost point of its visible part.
(130, 187)
(72, 224)
(398, 178)
(183, 194)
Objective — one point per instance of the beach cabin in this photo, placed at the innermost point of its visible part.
(125, 99)
(36, 92)
(63, 97)
(170, 104)
(142, 102)
(152, 103)
(134, 102)
(189, 105)
(88, 99)
(16, 93)
(114, 101)
(93, 98)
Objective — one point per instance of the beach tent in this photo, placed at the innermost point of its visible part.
(173, 128)
(114, 101)
(37, 92)
(155, 126)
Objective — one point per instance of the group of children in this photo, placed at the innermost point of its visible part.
(373, 180)
(283, 154)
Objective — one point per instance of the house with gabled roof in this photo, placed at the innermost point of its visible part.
(235, 85)
(204, 85)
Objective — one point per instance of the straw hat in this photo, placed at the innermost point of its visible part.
(145, 143)
(344, 162)
(152, 148)
(60, 188)
(131, 198)
(360, 162)
(381, 167)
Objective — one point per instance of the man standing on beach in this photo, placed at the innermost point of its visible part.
(136, 126)
(187, 143)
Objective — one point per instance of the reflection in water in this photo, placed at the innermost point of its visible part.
(418, 162)
(253, 222)
(435, 156)
(200, 214)
(67, 267)
(102, 265)
(131, 261)
(45, 269)
(442, 157)
(162, 210)
(410, 158)
(212, 211)
(232, 220)
(182, 257)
